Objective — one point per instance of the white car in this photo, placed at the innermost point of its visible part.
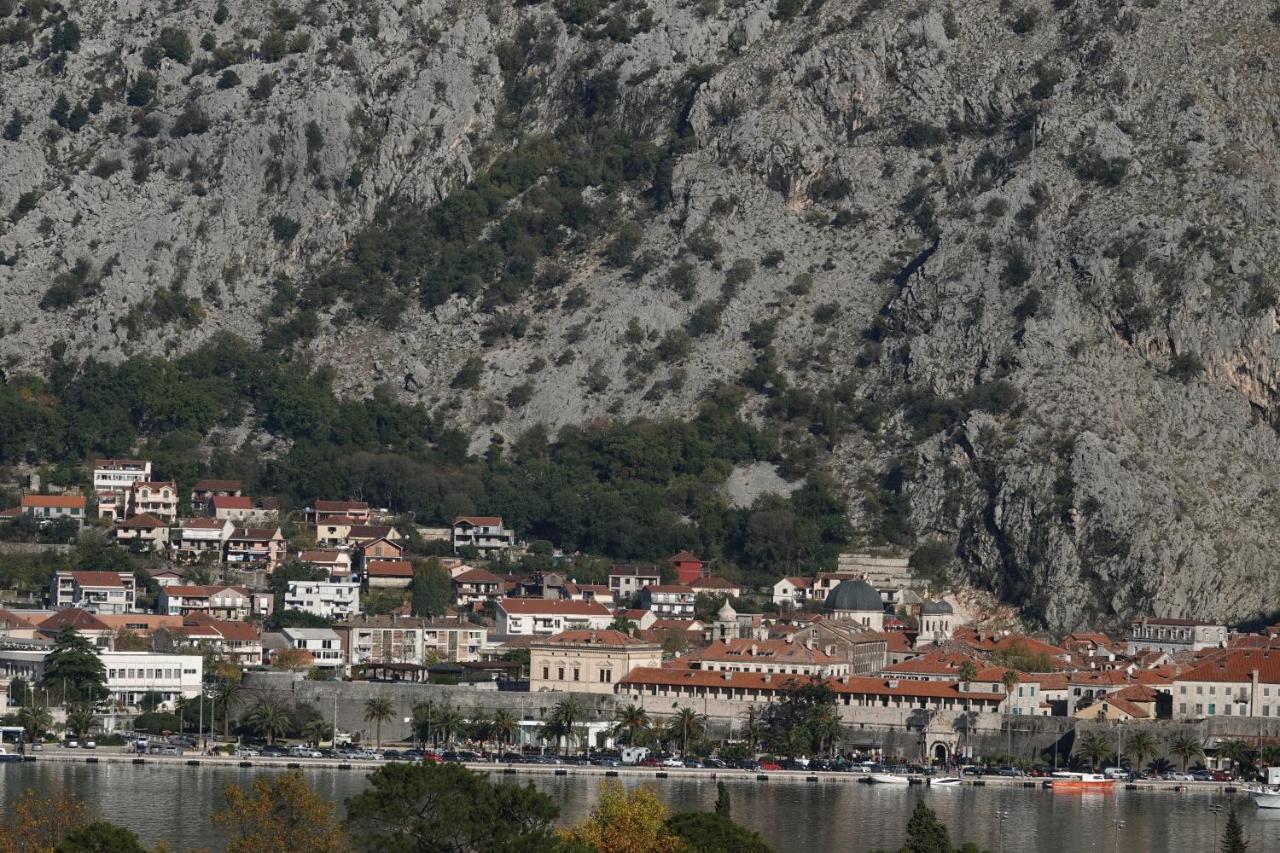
(673, 762)
(72, 744)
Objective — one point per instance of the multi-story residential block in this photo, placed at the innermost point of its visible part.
(588, 661)
(236, 642)
(46, 509)
(485, 533)
(119, 475)
(400, 639)
(220, 602)
(626, 581)
(202, 491)
(328, 599)
(256, 547)
(143, 532)
(192, 538)
(156, 499)
(129, 675)
(669, 601)
(1241, 683)
(96, 592)
(529, 616)
(323, 644)
(112, 504)
(1174, 635)
(337, 563)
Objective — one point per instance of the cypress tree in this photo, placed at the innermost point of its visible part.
(722, 800)
(1233, 835)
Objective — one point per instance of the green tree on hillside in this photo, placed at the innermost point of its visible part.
(74, 670)
(432, 589)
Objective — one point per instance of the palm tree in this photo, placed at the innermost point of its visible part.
(1010, 680)
(1271, 756)
(687, 724)
(752, 728)
(629, 722)
(423, 716)
(968, 671)
(269, 720)
(1239, 753)
(1095, 747)
(377, 711)
(225, 695)
(1141, 746)
(315, 731)
(480, 726)
(80, 720)
(567, 713)
(1186, 747)
(504, 726)
(826, 728)
(448, 722)
(36, 720)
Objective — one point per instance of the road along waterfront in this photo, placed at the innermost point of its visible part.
(166, 797)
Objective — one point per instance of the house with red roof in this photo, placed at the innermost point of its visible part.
(256, 548)
(671, 601)
(233, 641)
(321, 512)
(192, 538)
(715, 586)
(526, 616)
(203, 490)
(389, 574)
(95, 592)
(791, 591)
(46, 509)
(158, 499)
(688, 567)
(1236, 683)
(144, 532)
(332, 560)
(220, 602)
(476, 586)
(486, 533)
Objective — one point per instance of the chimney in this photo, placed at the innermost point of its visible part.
(892, 683)
(809, 643)
(728, 675)
(767, 678)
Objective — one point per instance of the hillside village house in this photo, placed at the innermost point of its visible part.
(337, 563)
(1244, 683)
(244, 511)
(96, 592)
(119, 475)
(49, 508)
(791, 591)
(156, 499)
(687, 567)
(202, 491)
(220, 602)
(327, 599)
(381, 549)
(1174, 635)
(323, 512)
(521, 616)
(143, 533)
(587, 661)
(192, 538)
(239, 643)
(322, 643)
(597, 592)
(626, 581)
(389, 574)
(335, 531)
(485, 533)
(256, 547)
(715, 586)
(668, 601)
(113, 506)
(476, 586)
(363, 535)
(407, 639)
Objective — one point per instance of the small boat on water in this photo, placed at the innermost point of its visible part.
(1065, 781)
(887, 779)
(1266, 797)
(946, 782)
(7, 754)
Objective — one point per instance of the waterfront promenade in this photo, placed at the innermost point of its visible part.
(581, 770)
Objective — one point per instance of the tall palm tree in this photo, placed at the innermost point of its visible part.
(225, 695)
(80, 720)
(424, 715)
(568, 712)
(269, 720)
(968, 671)
(1010, 680)
(1140, 746)
(315, 731)
(630, 721)
(1095, 747)
(1238, 753)
(480, 726)
(377, 711)
(504, 726)
(688, 725)
(752, 728)
(1186, 747)
(825, 728)
(1271, 756)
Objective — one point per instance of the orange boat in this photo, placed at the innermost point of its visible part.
(1071, 782)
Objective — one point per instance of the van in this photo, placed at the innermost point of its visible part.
(1118, 773)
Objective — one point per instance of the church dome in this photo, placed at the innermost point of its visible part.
(726, 613)
(936, 608)
(854, 595)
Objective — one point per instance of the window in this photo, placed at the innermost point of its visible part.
(560, 673)
(576, 672)
(1212, 709)
(546, 673)
(1182, 709)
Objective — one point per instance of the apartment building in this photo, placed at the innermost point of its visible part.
(328, 599)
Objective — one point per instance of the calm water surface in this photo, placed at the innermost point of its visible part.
(174, 803)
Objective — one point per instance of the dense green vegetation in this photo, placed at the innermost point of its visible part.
(635, 490)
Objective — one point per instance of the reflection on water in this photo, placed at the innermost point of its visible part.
(175, 803)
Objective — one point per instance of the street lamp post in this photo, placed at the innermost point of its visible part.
(1216, 808)
(1002, 816)
(1119, 825)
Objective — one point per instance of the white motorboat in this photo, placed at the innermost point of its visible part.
(1266, 797)
(7, 754)
(946, 782)
(887, 779)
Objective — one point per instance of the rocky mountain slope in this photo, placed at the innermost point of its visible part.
(1007, 269)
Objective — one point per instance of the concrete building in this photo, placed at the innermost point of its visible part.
(95, 592)
(476, 586)
(524, 617)
(324, 511)
(129, 675)
(192, 538)
(668, 601)
(327, 599)
(866, 651)
(337, 563)
(687, 567)
(323, 644)
(791, 591)
(239, 643)
(159, 500)
(626, 581)
(588, 661)
(1244, 683)
(1174, 635)
(775, 657)
(119, 475)
(204, 490)
(144, 533)
(256, 548)
(220, 602)
(401, 639)
(389, 574)
(485, 533)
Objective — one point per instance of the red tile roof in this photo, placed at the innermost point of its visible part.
(320, 555)
(340, 506)
(684, 557)
(201, 523)
(477, 576)
(1238, 666)
(553, 606)
(479, 520)
(669, 587)
(256, 534)
(634, 571)
(714, 582)
(75, 618)
(230, 502)
(851, 684)
(195, 591)
(780, 651)
(604, 637)
(144, 521)
(217, 486)
(390, 569)
(97, 578)
(54, 501)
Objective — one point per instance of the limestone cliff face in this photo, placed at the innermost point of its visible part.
(1069, 205)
